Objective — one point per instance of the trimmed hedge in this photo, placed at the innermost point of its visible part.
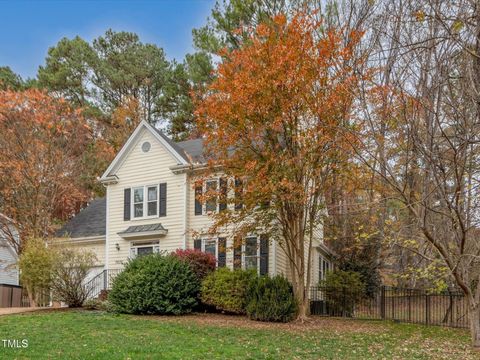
(271, 299)
(155, 284)
(226, 290)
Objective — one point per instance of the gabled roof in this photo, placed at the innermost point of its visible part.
(194, 149)
(185, 152)
(89, 222)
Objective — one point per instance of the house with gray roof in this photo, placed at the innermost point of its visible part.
(153, 204)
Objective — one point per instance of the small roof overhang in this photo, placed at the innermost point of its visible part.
(143, 231)
(326, 250)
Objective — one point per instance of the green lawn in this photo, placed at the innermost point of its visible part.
(96, 335)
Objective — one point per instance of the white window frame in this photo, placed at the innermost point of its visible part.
(145, 202)
(322, 271)
(244, 245)
(134, 246)
(204, 240)
(205, 189)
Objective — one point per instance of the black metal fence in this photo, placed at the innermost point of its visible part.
(390, 303)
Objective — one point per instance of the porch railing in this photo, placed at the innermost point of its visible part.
(101, 281)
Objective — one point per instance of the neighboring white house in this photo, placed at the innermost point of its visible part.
(151, 206)
(8, 257)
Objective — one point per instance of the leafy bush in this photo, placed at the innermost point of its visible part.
(69, 274)
(226, 290)
(155, 284)
(343, 290)
(36, 263)
(271, 299)
(368, 272)
(200, 262)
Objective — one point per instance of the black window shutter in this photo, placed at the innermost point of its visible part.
(126, 204)
(197, 244)
(263, 254)
(223, 194)
(222, 252)
(163, 200)
(238, 194)
(237, 253)
(198, 203)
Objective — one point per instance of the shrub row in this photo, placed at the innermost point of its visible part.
(243, 292)
(175, 283)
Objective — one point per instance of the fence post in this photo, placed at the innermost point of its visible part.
(427, 309)
(105, 280)
(344, 303)
(382, 302)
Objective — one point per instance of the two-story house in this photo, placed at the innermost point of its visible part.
(152, 205)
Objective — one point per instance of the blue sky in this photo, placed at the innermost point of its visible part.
(29, 28)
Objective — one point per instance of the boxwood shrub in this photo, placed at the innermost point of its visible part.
(271, 299)
(155, 284)
(226, 290)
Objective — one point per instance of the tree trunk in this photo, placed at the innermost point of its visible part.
(302, 298)
(31, 297)
(474, 317)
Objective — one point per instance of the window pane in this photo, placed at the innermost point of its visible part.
(141, 251)
(211, 247)
(251, 247)
(152, 208)
(251, 262)
(138, 195)
(138, 210)
(211, 204)
(152, 193)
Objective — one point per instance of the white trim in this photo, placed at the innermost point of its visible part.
(142, 234)
(185, 211)
(170, 149)
(145, 202)
(81, 240)
(155, 245)
(274, 250)
(244, 244)
(211, 238)
(131, 140)
(107, 227)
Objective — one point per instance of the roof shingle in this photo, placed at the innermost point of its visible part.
(91, 221)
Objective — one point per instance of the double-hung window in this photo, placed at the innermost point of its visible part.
(210, 246)
(152, 200)
(324, 266)
(210, 189)
(251, 253)
(145, 201)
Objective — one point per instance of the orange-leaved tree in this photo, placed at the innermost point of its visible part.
(42, 144)
(274, 120)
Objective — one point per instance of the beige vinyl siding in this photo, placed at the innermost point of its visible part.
(98, 248)
(139, 169)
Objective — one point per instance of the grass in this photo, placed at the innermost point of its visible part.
(96, 335)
